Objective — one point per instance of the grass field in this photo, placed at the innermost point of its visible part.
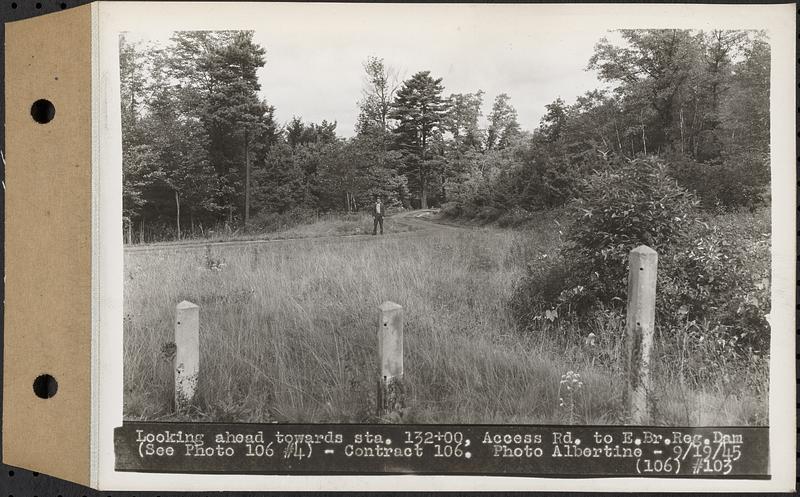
(288, 334)
(321, 225)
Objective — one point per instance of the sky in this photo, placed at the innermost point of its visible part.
(314, 65)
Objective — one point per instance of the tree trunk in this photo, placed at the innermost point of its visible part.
(423, 190)
(619, 142)
(141, 230)
(130, 232)
(246, 181)
(423, 180)
(644, 140)
(177, 214)
(695, 135)
(700, 125)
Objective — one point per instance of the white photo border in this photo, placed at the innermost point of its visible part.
(112, 18)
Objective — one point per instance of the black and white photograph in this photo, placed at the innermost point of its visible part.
(300, 246)
(490, 246)
(383, 226)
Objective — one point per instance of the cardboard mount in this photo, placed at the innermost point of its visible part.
(48, 315)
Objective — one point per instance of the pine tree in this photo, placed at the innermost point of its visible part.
(218, 78)
(419, 110)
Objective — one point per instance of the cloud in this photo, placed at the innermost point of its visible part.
(315, 55)
(316, 73)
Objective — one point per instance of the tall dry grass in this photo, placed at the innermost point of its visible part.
(288, 333)
(302, 225)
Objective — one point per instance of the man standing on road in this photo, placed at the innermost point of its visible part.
(377, 215)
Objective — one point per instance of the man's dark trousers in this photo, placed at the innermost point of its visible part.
(378, 220)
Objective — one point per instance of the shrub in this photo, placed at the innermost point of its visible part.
(529, 175)
(514, 217)
(539, 290)
(712, 280)
(730, 181)
(489, 214)
(274, 221)
(451, 209)
(719, 281)
(634, 204)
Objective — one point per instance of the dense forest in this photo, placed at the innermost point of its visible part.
(202, 149)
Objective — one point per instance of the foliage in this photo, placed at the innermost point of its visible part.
(682, 123)
(503, 125)
(190, 114)
(294, 337)
(720, 282)
(274, 221)
(634, 204)
(698, 100)
(380, 86)
(280, 183)
(569, 389)
(420, 111)
(739, 179)
(462, 122)
(711, 278)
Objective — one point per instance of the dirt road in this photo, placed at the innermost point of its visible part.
(417, 223)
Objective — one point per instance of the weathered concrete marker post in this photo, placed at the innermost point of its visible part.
(640, 328)
(390, 352)
(187, 353)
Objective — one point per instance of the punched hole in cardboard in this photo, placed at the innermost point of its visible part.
(45, 386)
(43, 111)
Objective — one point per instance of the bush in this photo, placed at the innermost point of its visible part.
(711, 280)
(539, 290)
(720, 281)
(273, 221)
(513, 217)
(489, 214)
(622, 208)
(738, 180)
(451, 209)
(530, 175)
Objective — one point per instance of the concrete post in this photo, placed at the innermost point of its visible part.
(390, 354)
(639, 330)
(187, 353)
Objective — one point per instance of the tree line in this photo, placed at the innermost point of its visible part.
(202, 150)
